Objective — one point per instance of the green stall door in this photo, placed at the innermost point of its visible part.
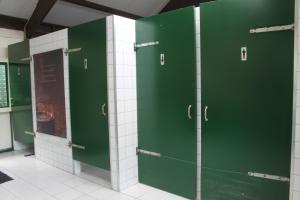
(20, 91)
(247, 99)
(166, 86)
(88, 94)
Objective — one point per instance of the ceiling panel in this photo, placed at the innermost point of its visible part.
(17, 8)
(68, 14)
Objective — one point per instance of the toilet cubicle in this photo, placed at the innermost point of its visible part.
(88, 93)
(166, 88)
(244, 101)
(20, 92)
(78, 82)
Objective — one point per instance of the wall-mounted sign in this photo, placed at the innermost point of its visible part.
(50, 93)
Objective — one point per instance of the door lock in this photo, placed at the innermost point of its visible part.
(162, 59)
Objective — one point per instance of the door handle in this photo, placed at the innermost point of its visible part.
(189, 112)
(205, 113)
(103, 109)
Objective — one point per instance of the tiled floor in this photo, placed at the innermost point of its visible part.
(34, 180)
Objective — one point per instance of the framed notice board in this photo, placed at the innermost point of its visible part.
(3, 86)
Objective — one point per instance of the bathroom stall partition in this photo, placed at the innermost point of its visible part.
(247, 99)
(20, 92)
(166, 93)
(88, 93)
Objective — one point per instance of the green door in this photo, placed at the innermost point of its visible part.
(247, 99)
(88, 94)
(166, 88)
(20, 91)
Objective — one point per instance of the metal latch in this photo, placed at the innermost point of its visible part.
(26, 59)
(270, 177)
(29, 133)
(67, 51)
(146, 44)
(85, 63)
(70, 144)
(149, 153)
(162, 59)
(289, 27)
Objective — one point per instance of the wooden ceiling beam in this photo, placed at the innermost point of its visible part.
(40, 12)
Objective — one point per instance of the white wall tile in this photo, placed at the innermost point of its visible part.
(295, 165)
(122, 95)
(50, 149)
(198, 82)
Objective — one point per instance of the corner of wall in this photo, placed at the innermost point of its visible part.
(122, 101)
(295, 152)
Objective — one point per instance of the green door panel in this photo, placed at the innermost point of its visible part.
(249, 102)
(88, 92)
(162, 172)
(220, 185)
(164, 94)
(20, 87)
(21, 122)
(20, 91)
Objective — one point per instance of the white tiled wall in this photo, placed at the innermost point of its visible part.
(113, 141)
(198, 72)
(50, 149)
(122, 101)
(295, 166)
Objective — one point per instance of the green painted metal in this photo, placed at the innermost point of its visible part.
(249, 102)
(20, 86)
(20, 91)
(88, 92)
(164, 94)
(21, 122)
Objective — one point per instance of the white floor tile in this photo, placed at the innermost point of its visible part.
(88, 187)
(103, 194)
(35, 180)
(137, 191)
(69, 195)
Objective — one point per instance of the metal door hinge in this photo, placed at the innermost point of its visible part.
(67, 51)
(26, 59)
(70, 144)
(146, 44)
(289, 27)
(30, 133)
(270, 177)
(149, 153)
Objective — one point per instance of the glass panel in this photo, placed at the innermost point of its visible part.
(3, 86)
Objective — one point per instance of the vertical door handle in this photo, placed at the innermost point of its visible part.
(189, 112)
(103, 109)
(205, 113)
